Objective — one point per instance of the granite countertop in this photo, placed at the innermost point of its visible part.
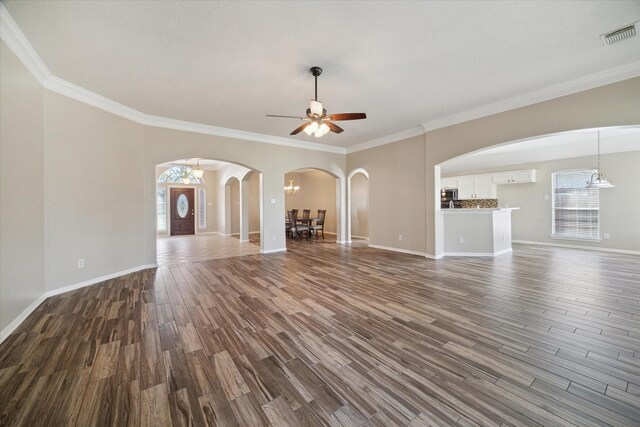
(476, 210)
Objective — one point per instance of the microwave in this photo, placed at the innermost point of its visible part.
(447, 195)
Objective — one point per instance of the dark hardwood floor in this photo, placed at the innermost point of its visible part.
(331, 335)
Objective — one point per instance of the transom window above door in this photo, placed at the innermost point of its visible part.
(176, 174)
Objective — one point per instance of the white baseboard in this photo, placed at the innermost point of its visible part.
(254, 232)
(21, 317)
(272, 251)
(360, 237)
(244, 241)
(27, 311)
(478, 254)
(433, 256)
(404, 251)
(504, 251)
(589, 248)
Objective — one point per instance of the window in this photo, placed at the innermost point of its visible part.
(177, 173)
(202, 209)
(576, 209)
(161, 208)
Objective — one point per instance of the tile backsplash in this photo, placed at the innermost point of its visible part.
(473, 203)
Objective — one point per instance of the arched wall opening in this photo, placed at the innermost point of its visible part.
(225, 201)
(271, 161)
(319, 189)
(358, 204)
(546, 156)
(616, 104)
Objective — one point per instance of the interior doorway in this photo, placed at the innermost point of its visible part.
(358, 204)
(313, 193)
(206, 209)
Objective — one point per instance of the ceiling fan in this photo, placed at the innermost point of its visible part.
(318, 123)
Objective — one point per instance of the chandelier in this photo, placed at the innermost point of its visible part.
(291, 189)
(598, 179)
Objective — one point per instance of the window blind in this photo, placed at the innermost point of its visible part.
(576, 209)
(202, 209)
(161, 208)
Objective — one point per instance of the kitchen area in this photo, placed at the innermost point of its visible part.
(474, 223)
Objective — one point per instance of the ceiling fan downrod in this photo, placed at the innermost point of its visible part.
(316, 71)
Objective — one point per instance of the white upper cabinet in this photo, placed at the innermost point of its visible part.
(449, 182)
(476, 187)
(484, 187)
(466, 187)
(515, 177)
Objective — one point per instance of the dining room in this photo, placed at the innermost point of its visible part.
(311, 200)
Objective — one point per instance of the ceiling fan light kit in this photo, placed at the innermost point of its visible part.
(318, 123)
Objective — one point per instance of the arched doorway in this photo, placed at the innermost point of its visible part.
(222, 199)
(358, 204)
(315, 190)
(546, 177)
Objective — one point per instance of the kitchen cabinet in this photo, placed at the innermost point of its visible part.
(476, 187)
(514, 177)
(449, 182)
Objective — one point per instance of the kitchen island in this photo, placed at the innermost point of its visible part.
(477, 232)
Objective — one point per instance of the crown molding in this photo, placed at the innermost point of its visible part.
(612, 75)
(20, 46)
(395, 137)
(63, 87)
(18, 43)
(591, 81)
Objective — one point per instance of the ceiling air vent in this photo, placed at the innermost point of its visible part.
(619, 35)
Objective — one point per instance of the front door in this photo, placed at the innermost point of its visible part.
(182, 211)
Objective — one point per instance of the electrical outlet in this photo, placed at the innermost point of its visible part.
(399, 236)
(504, 237)
(273, 237)
(273, 201)
(546, 197)
(607, 236)
(460, 240)
(81, 263)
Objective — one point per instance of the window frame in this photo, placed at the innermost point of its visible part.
(576, 237)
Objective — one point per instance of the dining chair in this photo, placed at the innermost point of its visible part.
(296, 229)
(319, 222)
(287, 226)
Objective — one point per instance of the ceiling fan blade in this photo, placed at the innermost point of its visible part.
(300, 128)
(347, 116)
(333, 127)
(287, 117)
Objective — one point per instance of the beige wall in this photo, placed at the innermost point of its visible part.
(22, 261)
(359, 205)
(619, 206)
(94, 193)
(616, 104)
(396, 193)
(317, 191)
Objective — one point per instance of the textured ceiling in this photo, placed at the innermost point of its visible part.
(229, 64)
